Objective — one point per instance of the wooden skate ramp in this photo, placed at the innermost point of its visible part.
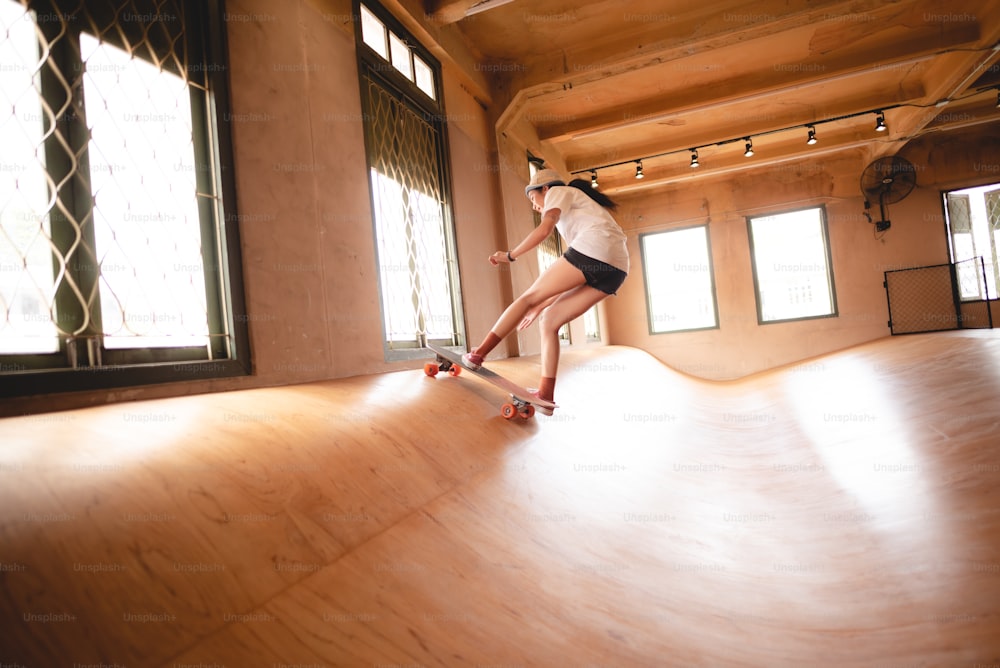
(841, 512)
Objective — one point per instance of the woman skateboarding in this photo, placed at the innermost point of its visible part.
(594, 267)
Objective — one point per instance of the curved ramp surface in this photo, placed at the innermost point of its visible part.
(841, 512)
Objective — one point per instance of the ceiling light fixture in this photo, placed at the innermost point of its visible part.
(812, 138)
(880, 125)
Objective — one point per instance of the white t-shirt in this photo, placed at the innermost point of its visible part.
(587, 226)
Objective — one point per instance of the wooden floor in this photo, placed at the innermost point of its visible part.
(842, 512)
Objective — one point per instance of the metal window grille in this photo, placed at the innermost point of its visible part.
(416, 254)
(992, 203)
(973, 220)
(993, 209)
(112, 227)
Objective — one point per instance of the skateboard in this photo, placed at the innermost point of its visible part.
(521, 402)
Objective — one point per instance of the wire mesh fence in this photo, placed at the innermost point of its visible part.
(938, 298)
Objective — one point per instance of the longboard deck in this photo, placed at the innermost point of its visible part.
(520, 394)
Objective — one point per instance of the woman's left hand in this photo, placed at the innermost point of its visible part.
(530, 316)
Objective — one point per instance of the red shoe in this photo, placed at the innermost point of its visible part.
(544, 410)
(473, 361)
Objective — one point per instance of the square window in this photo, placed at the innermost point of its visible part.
(791, 264)
(373, 32)
(680, 287)
(424, 76)
(400, 56)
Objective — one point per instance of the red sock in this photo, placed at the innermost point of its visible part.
(489, 343)
(547, 388)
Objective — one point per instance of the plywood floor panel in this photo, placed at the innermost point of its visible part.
(845, 511)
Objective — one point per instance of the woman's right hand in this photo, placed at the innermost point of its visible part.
(498, 257)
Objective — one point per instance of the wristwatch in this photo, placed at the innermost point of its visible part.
(510, 258)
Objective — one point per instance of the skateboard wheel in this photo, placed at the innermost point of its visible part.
(431, 369)
(455, 370)
(528, 412)
(508, 410)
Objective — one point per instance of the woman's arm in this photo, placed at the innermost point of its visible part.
(537, 236)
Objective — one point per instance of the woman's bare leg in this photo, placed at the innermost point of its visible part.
(557, 279)
(570, 306)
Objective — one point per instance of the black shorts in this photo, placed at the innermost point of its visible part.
(598, 274)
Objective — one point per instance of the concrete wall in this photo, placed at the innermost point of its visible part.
(304, 206)
(326, 322)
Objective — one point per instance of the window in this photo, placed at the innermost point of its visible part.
(115, 250)
(592, 325)
(973, 219)
(791, 265)
(376, 34)
(680, 285)
(414, 234)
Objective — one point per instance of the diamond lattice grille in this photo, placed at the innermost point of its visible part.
(100, 235)
(413, 246)
(26, 272)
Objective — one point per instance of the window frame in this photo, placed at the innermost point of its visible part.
(991, 262)
(228, 351)
(384, 65)
(646, 282)
(831, 280)
(371, 63)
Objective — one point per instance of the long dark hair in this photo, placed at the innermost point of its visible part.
(599, 197)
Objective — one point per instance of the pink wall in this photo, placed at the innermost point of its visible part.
(308, 250)
(740, 346)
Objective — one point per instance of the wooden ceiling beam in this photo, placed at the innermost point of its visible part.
(452, 11)
(951, 77)
(659, 110)
(743, 86)
(706, 31)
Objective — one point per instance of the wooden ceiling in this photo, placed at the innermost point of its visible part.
(586, 85)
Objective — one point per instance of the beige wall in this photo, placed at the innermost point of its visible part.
(740, 346)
